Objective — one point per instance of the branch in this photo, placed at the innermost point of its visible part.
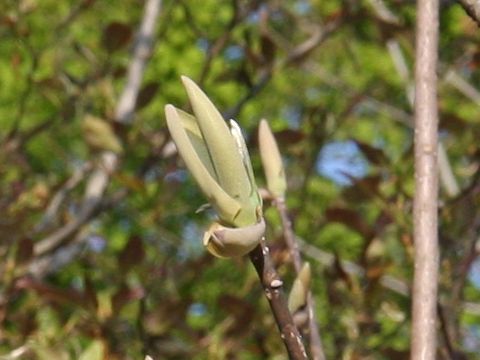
(472, 8)
(141, 52)
(387, 281)
(447, 178)
(93, 196)
(316, 346)
(425, 206)
(273, 288)
(100, 178)
(57, 200)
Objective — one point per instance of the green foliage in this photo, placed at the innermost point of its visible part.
(134, 279)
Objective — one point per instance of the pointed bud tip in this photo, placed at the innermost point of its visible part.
(170, 114)
(187, 81)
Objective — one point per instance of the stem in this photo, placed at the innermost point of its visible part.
(273, 288)
(472, 7)
(316, 347)
(425, 207)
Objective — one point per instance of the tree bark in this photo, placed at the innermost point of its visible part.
(424, 332)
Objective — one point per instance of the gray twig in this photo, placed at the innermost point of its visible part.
(472, 8)
(108, 163)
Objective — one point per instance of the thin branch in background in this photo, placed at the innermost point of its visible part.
(220, 43)
(57, 200)
(294, 54)
(25, 96)
(472, 8)
(252, 92)
(316, 347)
(447, 337)
(95, 188)
(453, 78)
(273, 288)
(387, 281)
(108, 163)
(425, 207)
(73, 14)
(447, 178)
(142, 50)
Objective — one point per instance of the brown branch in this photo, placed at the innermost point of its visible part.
(273, 288)
(425, 207)
(472, 8)
(316, 347)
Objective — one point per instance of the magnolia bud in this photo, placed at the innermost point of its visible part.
(271, 161)
(301, 285)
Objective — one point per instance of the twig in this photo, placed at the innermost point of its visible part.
(468, 90)
(76, 10)
(387, 281)
(295, 54)
(93, 196)
(100, 178)
(425, 205)
(220, 42)
(16, 353)
(273, 288)
(141, 52)
(472, 8)
(447, 178)
(57, 200)
(252, 92)
(316, 347)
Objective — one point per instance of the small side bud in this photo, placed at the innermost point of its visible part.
(271, 160)
(298, 295)
(99, 134)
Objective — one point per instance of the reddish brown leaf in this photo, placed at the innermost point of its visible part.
(284, 138)
(27, 323)
(374, 155)
(362, 189)
(240, 309)
(90, 294)
(268, 48)
(116, 35)
(119, 72)
(24, 251)
(146, 94)
(349, 218)
(375, 272)
(51, 293)
(132, 254)
(124, 295)
(342, 273)
(452, 122)
(289, 137)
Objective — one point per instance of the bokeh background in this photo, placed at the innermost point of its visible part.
(99, 239)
